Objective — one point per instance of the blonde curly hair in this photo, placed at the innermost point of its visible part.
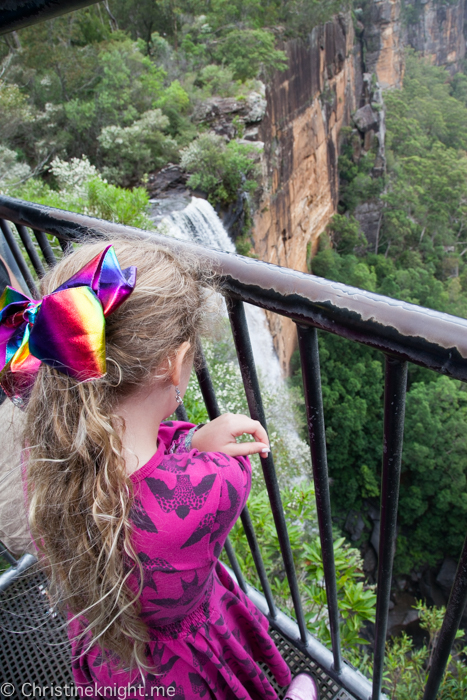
(79, 493)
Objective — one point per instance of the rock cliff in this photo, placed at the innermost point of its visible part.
(306, 107)
(434, 29)
(327, 80)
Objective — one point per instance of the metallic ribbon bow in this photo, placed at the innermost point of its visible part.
(65, 329)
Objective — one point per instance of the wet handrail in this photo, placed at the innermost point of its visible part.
(403, 332)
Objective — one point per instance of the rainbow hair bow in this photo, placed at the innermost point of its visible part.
(65, 329)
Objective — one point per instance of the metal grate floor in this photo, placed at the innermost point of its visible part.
(33, 641)
(299, 663)
(34, 646)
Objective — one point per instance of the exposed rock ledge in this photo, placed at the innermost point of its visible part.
(306, 107)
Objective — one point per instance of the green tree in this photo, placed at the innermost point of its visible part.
(345, 234)
(433, 500)
(218, 169)
(132, 151)
(249, 50)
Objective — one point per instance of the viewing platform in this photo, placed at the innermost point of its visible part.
(33, 638)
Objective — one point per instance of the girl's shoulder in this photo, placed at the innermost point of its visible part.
(172, 433)
(188, 494)
(176, 456)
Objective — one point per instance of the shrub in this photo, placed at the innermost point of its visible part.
(175, 104)
(82, 190)
(118, 204)
(219, 169)
(357, 602)
(218, 80)
(131, 151)
(15, 110)
(72, 176)
(11, 170)
(247, 51)
(406, 666)
(345, 233)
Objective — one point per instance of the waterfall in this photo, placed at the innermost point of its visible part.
(199, 223)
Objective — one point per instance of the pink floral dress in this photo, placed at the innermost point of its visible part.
(206, 636)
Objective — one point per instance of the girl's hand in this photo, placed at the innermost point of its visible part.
(220, 436)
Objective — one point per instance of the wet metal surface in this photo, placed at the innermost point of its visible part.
(309, 354)
(22, 13)
(394, 412)
(429, 338)
(451, 622)
(255, 405)
(402, 331)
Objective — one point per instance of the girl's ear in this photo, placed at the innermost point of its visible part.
(175, 368)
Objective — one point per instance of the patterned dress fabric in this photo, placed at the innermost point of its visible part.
(206, 636)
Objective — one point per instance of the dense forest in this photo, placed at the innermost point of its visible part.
(419, 257)
(118, 84)
(95, 101)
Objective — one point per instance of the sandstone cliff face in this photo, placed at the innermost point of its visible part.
(327, 80)
(306, 108)
(433, 29)
(437, 32)
(382, 37)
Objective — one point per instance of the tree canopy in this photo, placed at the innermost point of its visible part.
(420, 258)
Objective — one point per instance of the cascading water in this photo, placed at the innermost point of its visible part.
(199, 223)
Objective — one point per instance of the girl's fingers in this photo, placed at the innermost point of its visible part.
(243, 424)
(242, 449)
(220, 436)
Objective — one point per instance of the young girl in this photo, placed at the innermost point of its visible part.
(128, 512)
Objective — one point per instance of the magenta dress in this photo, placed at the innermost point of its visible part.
(206, 636)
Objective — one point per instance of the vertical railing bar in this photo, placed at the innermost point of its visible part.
(181, 413)
(16, 252)
(30, 249)
(205, 384)
(66, 246)
(229, 550)
(209, 396)
(45, 247)
(6, 555)
(258, 560)
(395, 386)
(309, 354)
(447, 634)
(255, 405)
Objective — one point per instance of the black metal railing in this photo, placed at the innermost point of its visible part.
(403, 332)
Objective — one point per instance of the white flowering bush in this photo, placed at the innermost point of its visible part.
(132, 151)
(12, 172)
(73, 175)
(83, 190)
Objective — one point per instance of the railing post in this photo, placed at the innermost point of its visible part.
(6, 555)
(205, 384)
(45, 247)
(16, 252)
(30, 250)
(394, 411)
(229, 550)
(210, 400)
(255, 405)
(451, 622)
(308, 343)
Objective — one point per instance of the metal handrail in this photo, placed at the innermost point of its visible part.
(403, 332)
(425, 337)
